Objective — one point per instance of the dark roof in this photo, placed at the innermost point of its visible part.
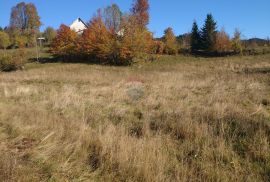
(83, 22)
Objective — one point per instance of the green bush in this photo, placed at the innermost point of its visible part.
(12, 62)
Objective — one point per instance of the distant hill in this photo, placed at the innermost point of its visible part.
(257, 41)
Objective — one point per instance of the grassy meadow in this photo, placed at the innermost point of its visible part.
(175, 119)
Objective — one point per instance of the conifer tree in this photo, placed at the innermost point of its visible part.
(209, 32)
(195, 37)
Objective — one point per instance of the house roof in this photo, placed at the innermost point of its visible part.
(83, 22)
(78, 25)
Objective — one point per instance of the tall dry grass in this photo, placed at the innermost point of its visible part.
(178, 119)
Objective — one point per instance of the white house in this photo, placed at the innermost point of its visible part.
(78, 26)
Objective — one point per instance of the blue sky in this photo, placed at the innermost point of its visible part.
(251, 17)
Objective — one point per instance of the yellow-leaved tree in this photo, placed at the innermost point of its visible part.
(170, 42)
(64, 44)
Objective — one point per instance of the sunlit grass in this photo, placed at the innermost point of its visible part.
(175, 119)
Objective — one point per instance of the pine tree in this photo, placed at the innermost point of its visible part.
(195, 41)
(209, 33)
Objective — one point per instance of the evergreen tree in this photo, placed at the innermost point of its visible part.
(195, 40)
(209, 33)
(1, 29)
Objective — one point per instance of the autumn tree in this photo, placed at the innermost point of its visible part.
(236, 42)
(184, 40)
(169, 40)
(223, 43)
(49, 34)
(140, 11)
(195, 41)
(112, 18)
(4, 40)
(24, 19)
(64, 43)
(109, 38)
(136, 39)
(159, 47)
(98, 41)
(21, 41)
(209, 33)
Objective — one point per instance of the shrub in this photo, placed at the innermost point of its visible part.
(94, 157)
(21, 41)
(158, 47)
(136, 129)
(4, 40)
(12, 62)
(135, 92)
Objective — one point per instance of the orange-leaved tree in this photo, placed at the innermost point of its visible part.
(98, 41)
(223, 43)
(135, 40)
(170, 42)
(140, 11)
(159, 47)
(64, 44)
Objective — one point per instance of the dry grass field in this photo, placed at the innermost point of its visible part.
(176, 119)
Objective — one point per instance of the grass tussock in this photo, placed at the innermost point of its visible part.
(176, 119)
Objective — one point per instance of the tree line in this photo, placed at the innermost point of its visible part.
(208, 39)
(115, 37)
